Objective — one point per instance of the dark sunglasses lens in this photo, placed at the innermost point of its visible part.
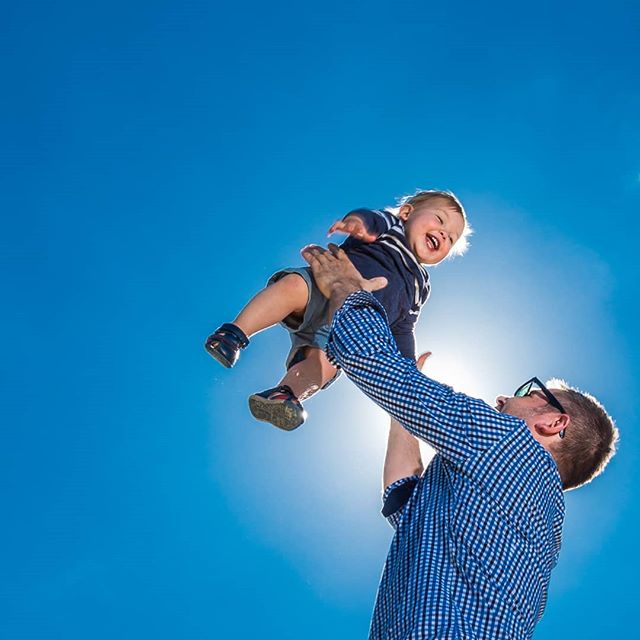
(523, 390)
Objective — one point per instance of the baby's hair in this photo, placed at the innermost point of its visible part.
(423, 195)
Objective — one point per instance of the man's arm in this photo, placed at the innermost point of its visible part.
(402, 468)
(362, 344)
(403, 456)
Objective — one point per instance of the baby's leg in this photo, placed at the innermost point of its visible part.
(309, 375)
(281, 406)
(285, 297)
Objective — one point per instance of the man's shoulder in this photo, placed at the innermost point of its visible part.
(516, 470)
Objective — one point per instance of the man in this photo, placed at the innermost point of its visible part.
(478, 533)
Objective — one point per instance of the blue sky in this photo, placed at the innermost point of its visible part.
(159, 162)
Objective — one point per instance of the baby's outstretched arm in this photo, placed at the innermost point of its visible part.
(353, 226)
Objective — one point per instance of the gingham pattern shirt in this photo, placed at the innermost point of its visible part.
(477, 538)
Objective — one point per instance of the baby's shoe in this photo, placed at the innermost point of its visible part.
(279, 406)
(225, 344)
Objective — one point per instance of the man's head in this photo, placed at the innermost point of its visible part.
(572, 425)
(435, 225)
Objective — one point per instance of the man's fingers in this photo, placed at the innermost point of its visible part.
(375, 283)
(311, 253)
(339, 253)
(313, 249)
(309, 250)
(422, 358)
(314, 254)
(335, 249)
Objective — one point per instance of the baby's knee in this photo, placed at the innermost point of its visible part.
(294, 287)
(318, 356)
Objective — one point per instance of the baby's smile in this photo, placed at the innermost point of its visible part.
(432, 242)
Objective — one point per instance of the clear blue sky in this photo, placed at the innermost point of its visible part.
(159, 161)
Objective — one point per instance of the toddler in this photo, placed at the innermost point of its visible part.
(395, 243)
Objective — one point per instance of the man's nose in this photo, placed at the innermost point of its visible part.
(500, 400)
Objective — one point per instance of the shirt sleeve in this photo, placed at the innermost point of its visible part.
(454, 424)
(395, 498)
(377, 222)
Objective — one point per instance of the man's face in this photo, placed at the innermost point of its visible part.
(432, 228)
(523, 407)
(544, 420)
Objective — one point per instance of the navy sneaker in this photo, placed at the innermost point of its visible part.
(224, 345)
(278, 406)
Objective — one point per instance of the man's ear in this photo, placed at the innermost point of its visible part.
(550, 424)
(405, 211)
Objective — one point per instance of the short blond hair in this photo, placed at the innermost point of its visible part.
(423, 195)
(590, 440)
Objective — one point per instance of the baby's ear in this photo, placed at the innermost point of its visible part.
(405, 211)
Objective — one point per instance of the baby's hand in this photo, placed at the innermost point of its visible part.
(353, 226)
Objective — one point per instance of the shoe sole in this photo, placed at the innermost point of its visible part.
(217, 356)
(277, 413)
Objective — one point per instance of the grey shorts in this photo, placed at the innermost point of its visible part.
(313, 330)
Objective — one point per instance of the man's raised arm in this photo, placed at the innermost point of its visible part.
(361, 343)
(403, 457)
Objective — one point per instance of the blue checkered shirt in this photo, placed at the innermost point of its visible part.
(478, 535)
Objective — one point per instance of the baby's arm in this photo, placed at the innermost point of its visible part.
(353, 226)
(363, 224)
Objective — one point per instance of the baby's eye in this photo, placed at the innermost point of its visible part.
(439, 219)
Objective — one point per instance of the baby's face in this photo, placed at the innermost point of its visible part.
(432, 228)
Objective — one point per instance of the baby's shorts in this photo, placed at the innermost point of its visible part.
(313, 330)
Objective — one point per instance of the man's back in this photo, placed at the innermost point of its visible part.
(475, 545)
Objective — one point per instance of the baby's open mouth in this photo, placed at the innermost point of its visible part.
(432, 242)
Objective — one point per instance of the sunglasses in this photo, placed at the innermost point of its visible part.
(535, 385)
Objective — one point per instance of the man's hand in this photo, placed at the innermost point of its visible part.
(335, 275)
(353, 226)
(421, 359)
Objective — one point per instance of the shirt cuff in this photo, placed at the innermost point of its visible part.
(396, 496)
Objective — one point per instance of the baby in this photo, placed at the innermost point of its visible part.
(395, 243)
